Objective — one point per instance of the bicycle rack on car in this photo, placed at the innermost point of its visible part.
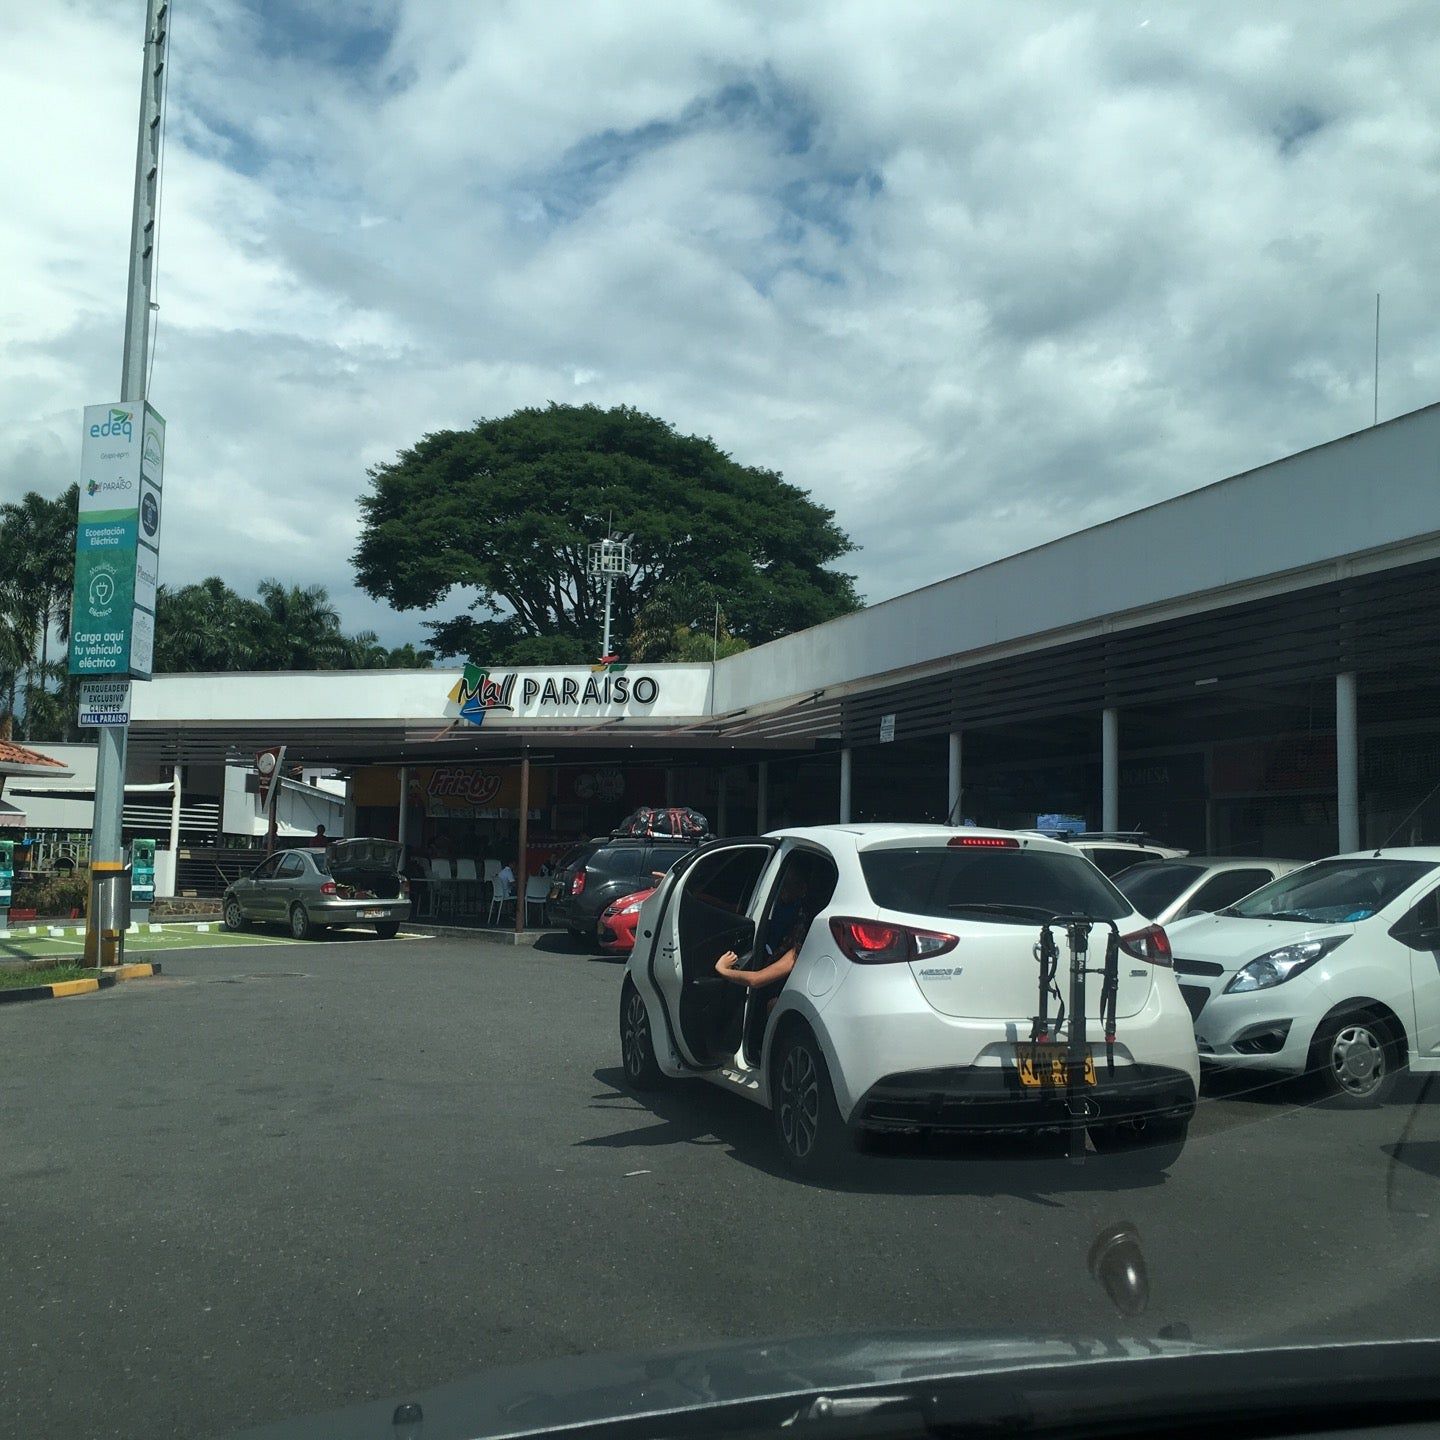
(1043, 1031)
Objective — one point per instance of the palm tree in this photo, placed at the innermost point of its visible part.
(303, 630)
(207, 626)
(37, 540)
(410, 657)
(363, 651)
(14, 653)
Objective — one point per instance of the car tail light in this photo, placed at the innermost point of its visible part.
(404, 887)
(878, 942)
(328, 888)
(982, 842)
(1151, 943)
(577, 885)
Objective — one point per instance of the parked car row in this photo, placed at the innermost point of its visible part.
(913, 990)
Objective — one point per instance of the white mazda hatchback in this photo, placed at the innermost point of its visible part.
(911, 1002)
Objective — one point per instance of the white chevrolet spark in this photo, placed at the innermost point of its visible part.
(1331, 971)
(913, 992)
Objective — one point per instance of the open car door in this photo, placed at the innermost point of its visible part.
(705, 912)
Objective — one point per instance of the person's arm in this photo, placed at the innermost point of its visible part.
(776, 970)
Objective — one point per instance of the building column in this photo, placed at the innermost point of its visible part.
(762, 798)
(401, 829)
(669, 785)
(952, 792)
(521, 879)
(722, 818)
(845, 786)
(167, 864)
(1347, 762)
(1110, 769)
(176, 782)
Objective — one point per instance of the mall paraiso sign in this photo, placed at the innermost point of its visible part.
(600, 692)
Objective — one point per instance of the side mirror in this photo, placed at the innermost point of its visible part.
(1417, 937)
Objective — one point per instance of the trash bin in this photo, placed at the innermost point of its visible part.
(109, 912)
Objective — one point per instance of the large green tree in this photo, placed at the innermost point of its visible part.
(499, 518)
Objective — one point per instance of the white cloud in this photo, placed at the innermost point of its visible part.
(973, 274)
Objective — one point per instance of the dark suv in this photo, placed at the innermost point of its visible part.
(601, 871)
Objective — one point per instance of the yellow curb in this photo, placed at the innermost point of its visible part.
(74, 987)
(134, 972)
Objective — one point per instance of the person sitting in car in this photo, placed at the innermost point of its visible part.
(770, 979)
(785, 931)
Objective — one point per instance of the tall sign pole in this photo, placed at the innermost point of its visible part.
(117, 539)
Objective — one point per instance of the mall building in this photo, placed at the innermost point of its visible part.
(1250, 668)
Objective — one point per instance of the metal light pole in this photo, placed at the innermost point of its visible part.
(106, 843)
(609, 559)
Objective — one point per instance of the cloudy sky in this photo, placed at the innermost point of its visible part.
(976, 274)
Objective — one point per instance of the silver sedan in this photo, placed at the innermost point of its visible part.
(348, 882)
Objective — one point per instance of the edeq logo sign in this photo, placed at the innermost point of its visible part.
(117, 424)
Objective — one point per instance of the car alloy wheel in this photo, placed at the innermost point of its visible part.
(637, 1045)
(635, 1036)
(799, 1101)
(1357, 1060)
(299, 922)
(234, 920)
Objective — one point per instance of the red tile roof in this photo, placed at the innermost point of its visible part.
(13, 754)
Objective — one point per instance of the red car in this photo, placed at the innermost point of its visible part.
(615, 929)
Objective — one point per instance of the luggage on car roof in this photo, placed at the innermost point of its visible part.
(672, 822)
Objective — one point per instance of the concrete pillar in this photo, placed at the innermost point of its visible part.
(952, 805)
(669, 786)
(167, 861)
(1110, 769)
(401, 830)
(762, 798)
(176, 782)
(722, 818)
(1347, 762)
(845, 786)
(522, 876)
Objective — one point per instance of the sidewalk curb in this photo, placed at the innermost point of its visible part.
(87, 986)
(488, 936)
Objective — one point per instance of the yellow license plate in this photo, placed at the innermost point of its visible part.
(1046, 1065)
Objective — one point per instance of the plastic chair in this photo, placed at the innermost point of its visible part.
(442, 881)
(492, 869)
(467, 885)
(418, 872)
(537, 892)
(504, 895)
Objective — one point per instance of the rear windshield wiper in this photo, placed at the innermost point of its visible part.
(1019, 912)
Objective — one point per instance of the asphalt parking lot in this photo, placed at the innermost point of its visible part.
(281, 1179)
